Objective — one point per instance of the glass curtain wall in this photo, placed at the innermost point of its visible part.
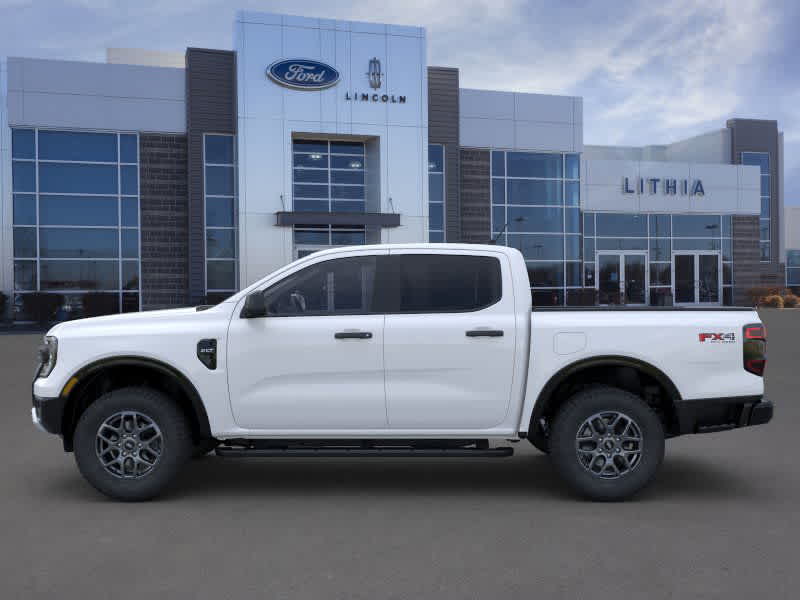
(76, 223)
(536, 209)
(793, 270)
(436, 193)
(219, 158)
(761, 160)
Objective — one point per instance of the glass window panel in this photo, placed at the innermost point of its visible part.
(77, 179)
(130, 274)
(538, 219)
(588, 224)
(130, 212)
(311, 205)
(130, 243)
(763, 229)
(24, 209)
(547, 297)
(498, 163)
(572, 190)
(311, 175)
(793, 277)
(220, 243)
(727, 296)
(727, 273)
(435, 237)
(546, 274)
(436, 187)
(348, 206)
(696, 225)
(532, 164)
(314, 160)
(498, 191)
(573, 166)
(660, 274)
(538, 247)
(572, 247)
(348, 238)
(727, 226)
(498, 218)
(621, 243)
(765, 207)
(221, 275)
(765, 251)
(220, 181)
(660, 249)
(130, 302)
(573, 274)
(25, 242)
(727, 249)
(588, 249)
(344, 162)
(129, 180)
(765, 185)
(435, 158)
(572, 220)
(219, 149)
(79, 275)
(436, 216)
(695, 244)
(347, 148)
(660, 296)
(23, 176)
(310, 146)
(358, 177)
(522, 191)
(317, 237)
(347, 192)
(624, 225)
(759, 159)
(793, 258)
(55, 242)
(588, 274)
(78, 146)
(128, 148)
(310, 191)
(25, 275)
(660, 226)
(23, 143)
(219, 212)
(77, 210)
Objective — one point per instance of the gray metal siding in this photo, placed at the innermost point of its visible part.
(475, 198)
(210, 108)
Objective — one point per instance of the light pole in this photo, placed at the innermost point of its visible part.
(503, 230)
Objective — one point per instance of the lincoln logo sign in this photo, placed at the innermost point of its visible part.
(667, 186)
(302, 74)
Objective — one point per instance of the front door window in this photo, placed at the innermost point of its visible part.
(622, 278)
(697, 278)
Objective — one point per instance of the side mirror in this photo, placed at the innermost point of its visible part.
(255, 306)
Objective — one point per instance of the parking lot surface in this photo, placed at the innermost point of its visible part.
(721, 521)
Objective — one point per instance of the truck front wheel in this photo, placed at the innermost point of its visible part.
(606, 443)
(130, 443)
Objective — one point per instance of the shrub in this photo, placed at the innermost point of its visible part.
(790, 301)
(758, 295)
(772, 301)
(41, 307)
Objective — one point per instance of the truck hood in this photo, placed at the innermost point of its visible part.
(122, 320)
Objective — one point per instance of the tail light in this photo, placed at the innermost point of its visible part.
(755, 348)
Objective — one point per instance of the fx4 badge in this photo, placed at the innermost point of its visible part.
(717, 338)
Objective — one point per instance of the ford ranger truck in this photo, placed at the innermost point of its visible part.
(412, 350)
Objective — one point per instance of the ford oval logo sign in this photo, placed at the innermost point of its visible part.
(303, 74)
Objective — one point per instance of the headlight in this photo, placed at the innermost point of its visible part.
(48, 353)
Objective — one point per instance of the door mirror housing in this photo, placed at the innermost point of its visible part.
(255, 306)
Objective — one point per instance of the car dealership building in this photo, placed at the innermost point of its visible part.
(157, 180)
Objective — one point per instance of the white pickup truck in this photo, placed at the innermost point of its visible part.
(410, 350)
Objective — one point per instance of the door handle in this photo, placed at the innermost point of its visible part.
(485, 333)
(353, 335)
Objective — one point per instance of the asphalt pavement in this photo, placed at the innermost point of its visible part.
(721, 521)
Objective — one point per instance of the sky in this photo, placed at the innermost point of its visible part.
(649, 72)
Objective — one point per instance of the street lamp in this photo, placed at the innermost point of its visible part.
(503, 230)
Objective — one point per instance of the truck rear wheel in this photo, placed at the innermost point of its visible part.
(606, 443)
(130, 443)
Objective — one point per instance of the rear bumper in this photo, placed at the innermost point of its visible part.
(47, 413)
(720, 414)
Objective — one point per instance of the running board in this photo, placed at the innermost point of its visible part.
(342, 452)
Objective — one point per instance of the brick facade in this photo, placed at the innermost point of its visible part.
(476, 205)
(164, 220)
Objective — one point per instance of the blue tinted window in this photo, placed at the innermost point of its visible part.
(347, 148)
(348, 206)
(621, 243)
(660, 249)
(436, 188)
(588, 249)
(310, 146)
(660, 226)
(24, 209)
(527, 191)
(695, 244)
(23, 176)
(573, 274)
(25, 242)
(765, 185)
(793, 258)
(347, 192)
(436, 216)
(764, 229)
(77, 179)
(220, 243)
(310, 191)
(320, 161)
(311, 175)
(625, 225)
(78, 243)
(128, 149)
(572, 247)
(529, 164)
(219, 181)
(727, 249)
(436, 237)
(498, 218)
(572, 220)
(130, 212)
(498, 163)
(24, 275)
(572, 190)
(77, 210)
(759, 159)
(311, 205)
(319, 237)
(357, 177)
(538, 247)
(696, 225)
(588, 224)
(80, 146)
(340, 162)
(130, 275)
(435, 158)
(80, 275)
(129, 184)
(546, 274)
(726, 225)
(537, 220)
(219, 149)
(498, 191)
(130, 243)
(221, 274)
(219, 212)
(348, 238)
(573, 166)
(23, 143)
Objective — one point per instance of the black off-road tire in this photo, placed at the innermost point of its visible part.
(569, 424)
(175, 447)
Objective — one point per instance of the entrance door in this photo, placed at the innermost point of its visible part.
(697, 278)
(622, 278)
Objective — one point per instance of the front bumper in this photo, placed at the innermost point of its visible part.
(721, 414)
(47, 413)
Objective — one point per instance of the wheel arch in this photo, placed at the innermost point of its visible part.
(103, 375)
